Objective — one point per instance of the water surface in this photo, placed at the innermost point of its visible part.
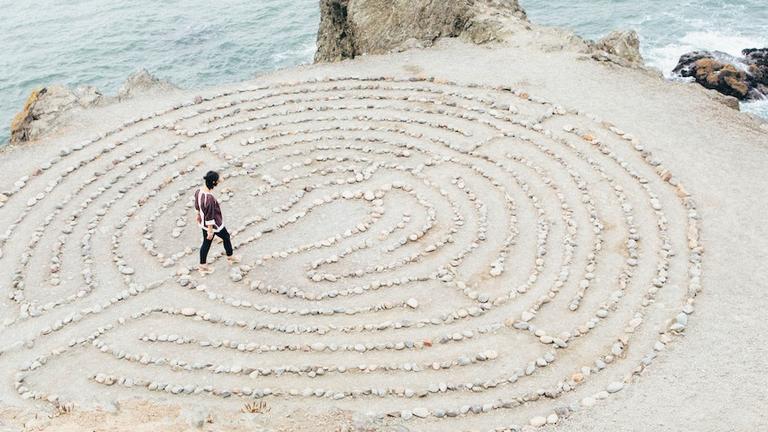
(196, 43)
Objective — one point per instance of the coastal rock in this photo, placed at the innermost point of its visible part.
(334, 23)
(622, 47)
(717, 73)
(48, 108)
(744, 78)
(349, 28)
(44, 108)
(88, 96)
(143, 82)
(757, 69)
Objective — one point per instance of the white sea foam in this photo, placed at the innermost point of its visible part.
(666, 57)
(758, 108)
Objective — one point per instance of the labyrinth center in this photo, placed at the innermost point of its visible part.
(443, 254)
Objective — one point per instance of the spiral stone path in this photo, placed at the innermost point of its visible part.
(443, 255)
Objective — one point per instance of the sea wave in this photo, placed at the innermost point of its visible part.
(666, 57)
(758, 108)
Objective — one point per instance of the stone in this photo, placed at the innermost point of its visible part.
(412, 303)
(538, 421)
(622, 47)
(142, 82)
(744, 78)
(614, 387)
(89, 96)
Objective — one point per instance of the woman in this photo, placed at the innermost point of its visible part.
(209, 218)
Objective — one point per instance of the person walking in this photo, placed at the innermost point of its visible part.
(210, 219)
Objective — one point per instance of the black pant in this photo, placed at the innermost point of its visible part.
(224, 235)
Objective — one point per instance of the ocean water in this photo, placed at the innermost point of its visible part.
(192, 43)
(197, 43)
(667, 28)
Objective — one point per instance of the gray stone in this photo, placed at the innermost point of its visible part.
(143, 82)
(621, 47)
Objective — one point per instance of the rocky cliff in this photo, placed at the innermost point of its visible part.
(349, 28)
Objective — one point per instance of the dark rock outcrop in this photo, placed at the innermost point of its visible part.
(349, 28)
(47, 108)
(745, 78)
(757, 67)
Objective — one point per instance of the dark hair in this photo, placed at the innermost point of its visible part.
(211, 179)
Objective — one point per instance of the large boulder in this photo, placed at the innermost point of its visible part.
(349, 28)
(48, 108)
(744, 78)
(621, 47)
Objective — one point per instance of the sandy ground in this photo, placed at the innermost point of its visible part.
(337, 178)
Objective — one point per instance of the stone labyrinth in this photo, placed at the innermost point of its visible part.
(434, 253)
